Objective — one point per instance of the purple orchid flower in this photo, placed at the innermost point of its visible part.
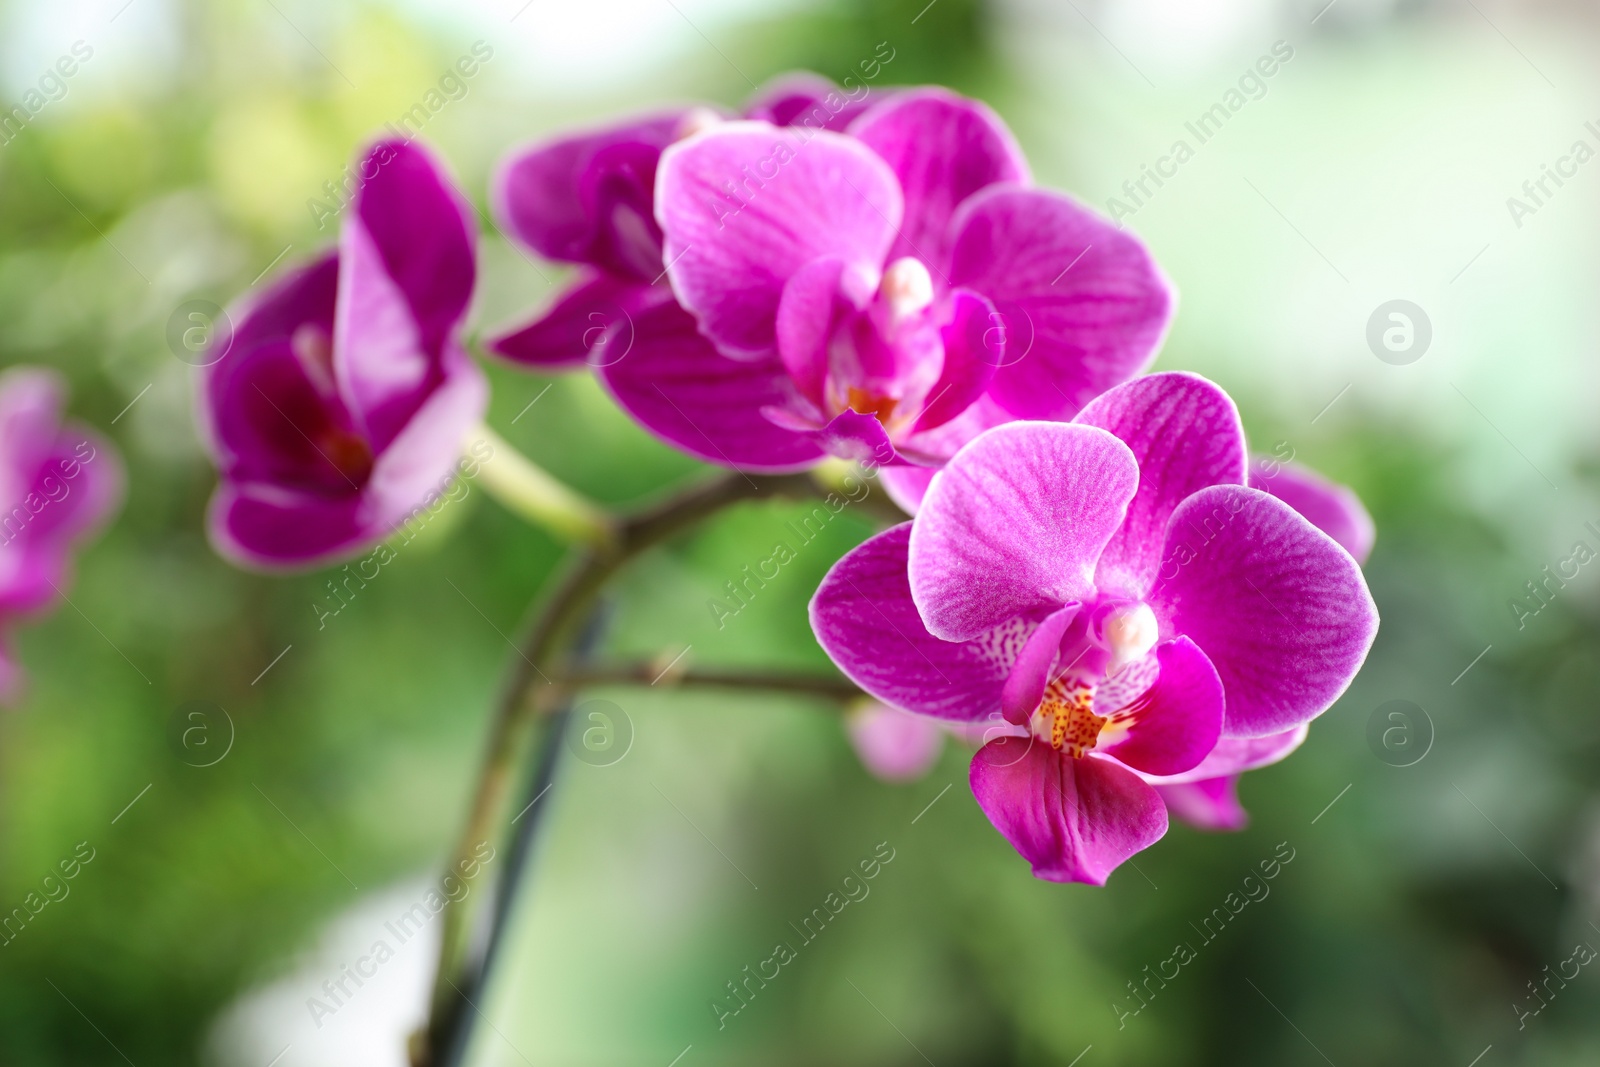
(894, 745)
(1114, 592)
(345, 392)
(589, 199)
(59, 481)
(883, 293)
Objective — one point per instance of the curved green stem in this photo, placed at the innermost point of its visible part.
(529, 695)
(528, 491)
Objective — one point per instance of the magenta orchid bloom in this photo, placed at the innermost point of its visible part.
(882, 293)
(589, 199)
(58, 482)
(345, 394)
(1114, 591)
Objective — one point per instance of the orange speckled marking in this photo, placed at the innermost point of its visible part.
(1065, 712)
(879, 407)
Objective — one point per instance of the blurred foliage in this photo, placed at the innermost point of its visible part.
(1404, 930)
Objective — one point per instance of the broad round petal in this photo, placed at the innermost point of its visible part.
(1330, 507)
(943, 148)
(1073, 820)
(865, 620)
(1278, 607)
(670, 379)
(1084, 304)
(587, 197)
(745, 205)
(1014, 524)
(1186, 435)
(1176, 722)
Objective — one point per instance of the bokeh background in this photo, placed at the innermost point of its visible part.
(177, 165)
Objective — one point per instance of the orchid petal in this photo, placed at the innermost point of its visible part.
(1072, 819)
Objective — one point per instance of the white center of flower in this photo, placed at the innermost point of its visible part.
(1130, 633)
(697, 120)
(907, 287)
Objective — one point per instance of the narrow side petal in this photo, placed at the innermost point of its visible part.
(423, 232)
(670, 379)
(1276, 605)
(1014, 524)
(1208, 804)
(1236, 755)
(1330, 507)
(1025, 685)
(943, 148)
(572, 331)
(1185, 433)
(1175, 724)
(745, 205)
(1073, 820)
(1084, 304)
(865, 620)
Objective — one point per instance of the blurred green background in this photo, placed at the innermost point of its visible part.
(178, 164)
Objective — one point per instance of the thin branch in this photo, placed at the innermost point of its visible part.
(528, 699)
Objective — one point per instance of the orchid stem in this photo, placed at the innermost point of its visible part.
(525, 718)
(528, 491)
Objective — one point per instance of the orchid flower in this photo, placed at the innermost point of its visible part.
(58, 482)
(883, 293)
(345, 392)
(1114, 592)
